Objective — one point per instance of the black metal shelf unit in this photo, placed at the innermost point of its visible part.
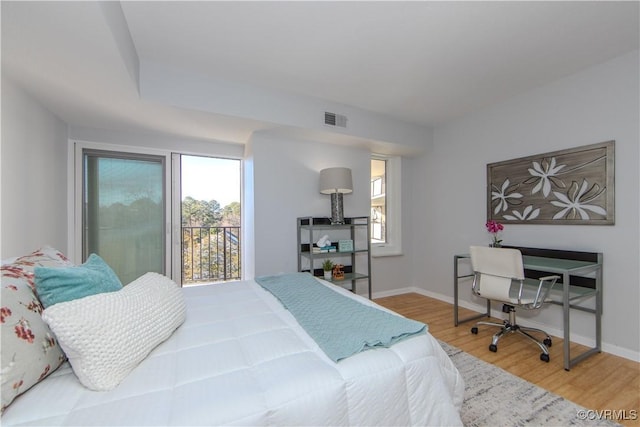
(357, 261)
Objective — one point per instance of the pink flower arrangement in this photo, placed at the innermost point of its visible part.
(494, 228)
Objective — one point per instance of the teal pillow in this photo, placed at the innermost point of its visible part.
(61, 284)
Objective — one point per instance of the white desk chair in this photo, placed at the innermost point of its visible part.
(499, 276)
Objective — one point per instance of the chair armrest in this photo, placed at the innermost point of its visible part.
(539, 290)
(541, 296)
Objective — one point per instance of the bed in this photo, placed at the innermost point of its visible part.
(241, 358)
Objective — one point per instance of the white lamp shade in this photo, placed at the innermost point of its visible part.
(336, 180)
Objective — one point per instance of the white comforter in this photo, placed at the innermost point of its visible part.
(241, 359)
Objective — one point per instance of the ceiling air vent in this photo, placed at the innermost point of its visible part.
(333, 119)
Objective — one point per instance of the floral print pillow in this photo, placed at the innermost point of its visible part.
(30, 350)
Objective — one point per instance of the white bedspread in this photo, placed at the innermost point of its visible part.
(241, 359)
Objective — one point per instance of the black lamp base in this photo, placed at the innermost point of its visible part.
(337, 211)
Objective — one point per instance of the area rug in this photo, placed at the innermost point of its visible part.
(495, 397)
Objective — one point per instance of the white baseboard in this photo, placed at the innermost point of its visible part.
(480, 308)
(400, 291)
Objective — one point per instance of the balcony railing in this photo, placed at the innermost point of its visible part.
(210, 254)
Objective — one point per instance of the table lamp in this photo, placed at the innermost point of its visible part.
(336, 182)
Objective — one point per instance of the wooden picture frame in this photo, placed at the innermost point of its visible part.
(572, 186)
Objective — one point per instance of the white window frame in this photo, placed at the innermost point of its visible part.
(393, 194)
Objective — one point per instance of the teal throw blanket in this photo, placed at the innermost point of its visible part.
(339, 325)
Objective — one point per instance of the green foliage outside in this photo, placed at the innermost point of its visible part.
(129, 237)
(210, 240)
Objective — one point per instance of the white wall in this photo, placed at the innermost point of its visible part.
(34, 174)
(394, 274)
(448, 214)
(285, 182)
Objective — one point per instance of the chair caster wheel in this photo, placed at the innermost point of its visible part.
(474, 330)
(547, 342)
(544, 357)
(493, 347)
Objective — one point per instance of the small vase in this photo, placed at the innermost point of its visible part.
(327, 275)
(495, 245)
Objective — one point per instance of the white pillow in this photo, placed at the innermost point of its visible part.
(105, 336)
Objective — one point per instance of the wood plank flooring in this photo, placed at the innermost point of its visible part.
(600, 382)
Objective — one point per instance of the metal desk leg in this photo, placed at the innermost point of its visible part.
(566, 308)
(599, 305)
(455, 290)
(597, 312)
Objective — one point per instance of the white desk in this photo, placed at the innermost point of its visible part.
(571, 294)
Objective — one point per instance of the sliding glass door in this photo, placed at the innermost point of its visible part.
(124, 211)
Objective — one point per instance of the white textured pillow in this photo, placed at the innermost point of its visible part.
(105, 336)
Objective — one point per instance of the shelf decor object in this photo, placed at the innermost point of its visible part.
(327, 267)
(345, 245)
(338, 272)
(572, 186)
(336, 182)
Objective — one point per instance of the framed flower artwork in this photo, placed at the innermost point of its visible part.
(572, 186)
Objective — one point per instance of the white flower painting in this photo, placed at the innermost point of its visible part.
(545, 173)
(505, 197)
(574, 186)
(527, 214)
(576, 202)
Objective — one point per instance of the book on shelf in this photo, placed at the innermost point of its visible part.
(324, 249)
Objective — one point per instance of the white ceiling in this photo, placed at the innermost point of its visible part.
(418, 62)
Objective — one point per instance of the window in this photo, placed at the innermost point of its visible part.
(378, 201)
(385, 205)
(123, 211)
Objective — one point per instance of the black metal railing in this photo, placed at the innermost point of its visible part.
(210, 254)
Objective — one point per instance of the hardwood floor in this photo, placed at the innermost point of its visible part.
(600, 382)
